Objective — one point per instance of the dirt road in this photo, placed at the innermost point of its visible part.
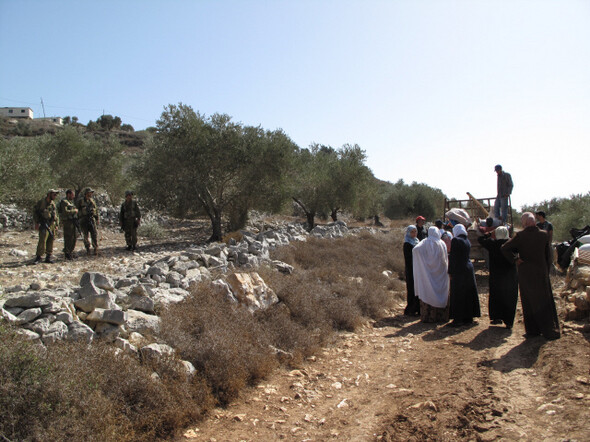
(400, 379)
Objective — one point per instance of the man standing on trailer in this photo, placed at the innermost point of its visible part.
(505, 186)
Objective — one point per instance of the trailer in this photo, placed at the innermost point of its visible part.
(477, 208)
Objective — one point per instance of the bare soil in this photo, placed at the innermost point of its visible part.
(393, 379)
(398, 379)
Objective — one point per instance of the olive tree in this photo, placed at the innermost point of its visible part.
(79, 159)
(211, 164)
(329, 180)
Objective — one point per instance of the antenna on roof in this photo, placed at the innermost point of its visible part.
(43, 106)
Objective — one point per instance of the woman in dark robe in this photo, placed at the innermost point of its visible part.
(531, 250)
(413, 303)
(464, 297)
(503, 279)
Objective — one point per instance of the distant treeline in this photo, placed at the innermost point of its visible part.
(190, 164)
(565, 214)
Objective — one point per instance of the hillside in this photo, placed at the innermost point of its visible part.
(10, 127)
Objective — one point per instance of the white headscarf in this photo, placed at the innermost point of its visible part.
(459, 229)
(430, 259)
(502, 233)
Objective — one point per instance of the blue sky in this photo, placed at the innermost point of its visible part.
(435, 91)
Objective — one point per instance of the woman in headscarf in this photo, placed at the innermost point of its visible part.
(503, 279)
(410, 241)
(531, 250)
(464, 298)
(431, 281)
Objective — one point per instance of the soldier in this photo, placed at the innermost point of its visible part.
(46, 219)
(130, 219)
(88, 215)
(68, 214)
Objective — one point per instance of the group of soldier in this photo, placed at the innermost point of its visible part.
(79, 216)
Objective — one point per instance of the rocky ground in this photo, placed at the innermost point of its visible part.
(399, 379)
(394, 379)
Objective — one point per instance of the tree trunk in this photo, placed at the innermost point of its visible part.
(216, 228)
(310, 220)
(334, 214)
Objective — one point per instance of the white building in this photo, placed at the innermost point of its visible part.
(57, 120)
(16, 112)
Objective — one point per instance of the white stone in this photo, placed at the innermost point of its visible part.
(28, 315)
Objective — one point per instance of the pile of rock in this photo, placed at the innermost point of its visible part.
(121, 312)
(577, 291)
(13, 218)
(123, 309)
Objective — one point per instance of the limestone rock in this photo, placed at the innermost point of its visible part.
(142, 322)
(111, 316)
(28, 315)
(56, 332)
(107, 332)
(66, 317)
(100, 280)
(29, 335)
(142, 303)
(223, 289)
(173, 278)
(89, 303)
(29, 300)
(283, 267)
(125, 282)
(580, 301)
(159, 269)
(251, 291)
(78, 331)
(40, 326)
(156, 352)
(7, 316)
(125, 345)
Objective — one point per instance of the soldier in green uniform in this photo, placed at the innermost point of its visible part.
(88, 215)
(46, 219)
(130, 219)
(68, 214)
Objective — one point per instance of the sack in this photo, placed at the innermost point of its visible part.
(585, 239)
(459, 215)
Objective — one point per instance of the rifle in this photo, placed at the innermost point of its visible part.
(43, 224)
(90, 214)
(76, 223)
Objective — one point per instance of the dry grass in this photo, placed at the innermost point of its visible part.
(78, 392)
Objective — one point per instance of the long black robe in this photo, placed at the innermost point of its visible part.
(503, 282)
(464, 297)
(413, 303)
(538, 307)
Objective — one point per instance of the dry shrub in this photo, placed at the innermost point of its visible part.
(224, 342)
(237, 236)
(77, 392)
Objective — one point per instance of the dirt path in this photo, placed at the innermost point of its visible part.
(400, 379)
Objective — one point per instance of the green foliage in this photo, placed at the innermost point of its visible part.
(211, 164)
(413, 200)
(25, 173)
(127, 128)
(328, 180)
(79, 160)
(564, 214)
(152, 230)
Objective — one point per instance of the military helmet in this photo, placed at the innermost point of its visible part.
(88, 190)
(128, 192)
